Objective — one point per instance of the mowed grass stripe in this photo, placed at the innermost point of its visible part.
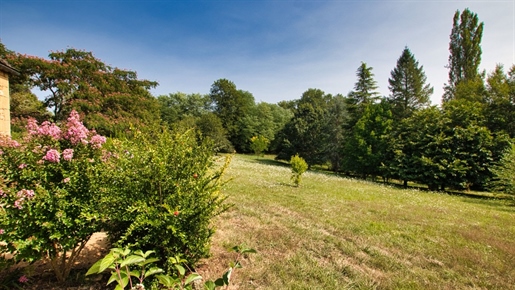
(339, 233)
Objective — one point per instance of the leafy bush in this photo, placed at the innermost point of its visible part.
(48, 192)
(298, 167)
(259, 144)
(161, 192)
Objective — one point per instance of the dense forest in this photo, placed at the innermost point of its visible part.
(465, 143)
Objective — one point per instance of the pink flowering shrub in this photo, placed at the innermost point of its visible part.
(48, 192)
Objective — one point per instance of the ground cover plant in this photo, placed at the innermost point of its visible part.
(339, 233)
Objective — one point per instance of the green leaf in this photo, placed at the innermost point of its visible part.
(191, 278)
(167, 281)
(106, 262)
(135, 273)
(148, 261)
(152, 271)
(132, 259)
(148, 253)
(209, 285)
(220, 282)
(181, 270)
(94, 269)
(114, 277)
(244, 251)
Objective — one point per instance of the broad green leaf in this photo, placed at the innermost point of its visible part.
(114, 277)
(106, 262)
(148, 261)
(227, 276)
(126, 252)
(132, 259)
(152, 271)
(181, 269)
(209, 285)
(191, 278)
(167, 281)
(148, 253)
(135, 273)
(220, 282)
(94, 268)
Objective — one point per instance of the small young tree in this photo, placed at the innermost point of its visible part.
(298, 167)
(259, 144)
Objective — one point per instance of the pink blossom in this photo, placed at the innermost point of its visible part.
(68, 154)
(21, 166)
(2, 231)
(23, 279)
(97, 141)
(77, 132)
(66, 180)
(32, 126)
(52, 155)
(1, 152)
(28, 193)
(18, 203)
(50, 129)
(14, 144)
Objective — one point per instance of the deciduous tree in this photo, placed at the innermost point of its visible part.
(465, 50)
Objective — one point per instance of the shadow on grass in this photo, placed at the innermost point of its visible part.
(505, 205)
(268, 161)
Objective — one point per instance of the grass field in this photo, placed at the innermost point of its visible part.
(339, 233)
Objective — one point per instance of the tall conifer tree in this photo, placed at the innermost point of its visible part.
(409, 91)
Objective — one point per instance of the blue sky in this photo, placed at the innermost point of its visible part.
(274, 49)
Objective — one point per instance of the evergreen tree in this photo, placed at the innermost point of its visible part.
(465, 50)
(409, 91)
(500, 101)
(335, 131)
(364, 93)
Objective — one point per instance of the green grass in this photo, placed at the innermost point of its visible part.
(339, 233)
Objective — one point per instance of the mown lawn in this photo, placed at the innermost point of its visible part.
(339, 233)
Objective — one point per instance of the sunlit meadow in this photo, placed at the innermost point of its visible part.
(333, 232)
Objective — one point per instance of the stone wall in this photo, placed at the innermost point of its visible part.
(5, 115)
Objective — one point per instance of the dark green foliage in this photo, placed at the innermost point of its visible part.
(504, 173)
(366, 148)
(304, 133)
(110, 98)
(178, 106)
(409, 91)
(465, 50)
(500, 101)
(364, 93)
(265, 120)
(163, 190)
(446, 148)
(211, 127)
(335, 131)
(231, 106)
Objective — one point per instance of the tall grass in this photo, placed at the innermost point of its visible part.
(339, 233)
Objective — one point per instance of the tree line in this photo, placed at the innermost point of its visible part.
(400, 136)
